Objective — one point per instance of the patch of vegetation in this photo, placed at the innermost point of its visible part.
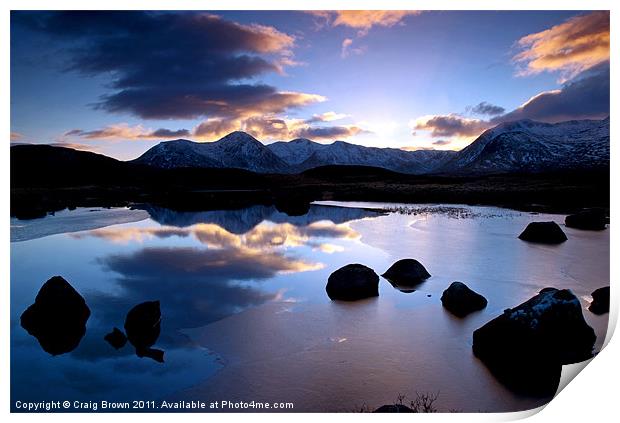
(423, 403)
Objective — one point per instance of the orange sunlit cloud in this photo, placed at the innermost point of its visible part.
(363, 20)
(569, 48)
(16, 136)
(366, 19)
(277, 128)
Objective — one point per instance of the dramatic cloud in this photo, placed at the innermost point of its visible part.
(569, 48)
(441, 142)
(487, 109)
(451, 125)
(578, 49)
(585, 97)
(175, 65)
(126, 132)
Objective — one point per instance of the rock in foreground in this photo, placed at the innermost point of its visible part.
(406, 273)
(544, 233)
(589, 220)
(600, 301)
(459, 300)
(58, 317)
(116, 338)
(393, 408)
(142, 326)
(526, 346)
(352, 282)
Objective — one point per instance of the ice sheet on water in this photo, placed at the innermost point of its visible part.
(65, 221)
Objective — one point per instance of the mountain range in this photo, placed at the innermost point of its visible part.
(520, 146)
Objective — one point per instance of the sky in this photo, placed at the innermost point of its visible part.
(118, 83)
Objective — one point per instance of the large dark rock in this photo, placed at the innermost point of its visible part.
(459, 300)
(591, 220)
(116, 338)
(406, 274)
(600, 301)
(142, 326)
(543, 232)
(58, 317)
(352, 282)
(393, 408)
(527, 345)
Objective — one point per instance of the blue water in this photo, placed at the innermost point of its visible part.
(244, 310)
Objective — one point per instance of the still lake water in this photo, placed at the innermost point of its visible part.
(245, 316)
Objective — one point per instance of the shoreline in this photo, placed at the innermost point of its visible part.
(558, 193)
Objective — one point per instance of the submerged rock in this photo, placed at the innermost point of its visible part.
(543, 232)
(58, 317)
(527, 345)
(393, 408)
(142, 326)
(116, 338)
(600, 301)
(590, 220)
(459, 300)
(352, 282)
(406, 273)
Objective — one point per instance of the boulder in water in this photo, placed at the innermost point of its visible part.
(352, 282)
(600, 301)
(459, 300)
(393, 408)
(116, 338)
(526, 346)
(142, 326)
(590, 220)
(544, 233)
(58, 317)
(406, 273)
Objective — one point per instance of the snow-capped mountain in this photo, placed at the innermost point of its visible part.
(236, 150)
(520, 146)
(529, 146)
(303, 154)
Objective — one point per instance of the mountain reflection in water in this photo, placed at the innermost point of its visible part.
(201, 266)
(245, 314)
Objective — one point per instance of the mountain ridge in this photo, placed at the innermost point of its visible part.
(523, 146)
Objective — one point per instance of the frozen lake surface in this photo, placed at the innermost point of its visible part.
(245, 316)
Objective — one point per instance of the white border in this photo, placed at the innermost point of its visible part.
(591, 396)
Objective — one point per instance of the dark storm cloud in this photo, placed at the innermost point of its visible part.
(167, 133)
(585, 97)
(126, 132)
(329, 132)
(488, 109)
(450, 125)
(174, 65)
